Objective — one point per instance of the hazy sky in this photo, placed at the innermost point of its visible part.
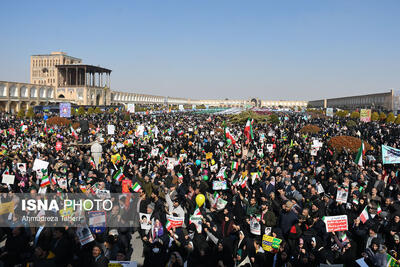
(300, 50)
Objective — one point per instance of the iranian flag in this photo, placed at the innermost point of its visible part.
(119, 175)
(45, 127)
(361, 152)
(248, 131)
(45, 179)
(6, 171)
(197, 211)
(379, 209)
(244, 182)
(180, 132)
(12, 131)
(228, 135)
(53, 180)
(168, 225)
(216, 196)
(364, 215)
(235, 165)
(73, 132)
(344, 238)
(136, 187)
(235, 182)
(3, 146)
(92, 163)
(180, 176)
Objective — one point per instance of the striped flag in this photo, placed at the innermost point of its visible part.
(197, 211)
(53, 179)
(45, 179)
(379, 209)
(83, 188)
(361, 152)
(180, 176)
(235, 165)
(248, 131)
(364, 215)
(119, 175)
(168, 225)
(236, 182)
(92, 163)
(73, 132)
(244, 182)
(6, 171)
(136, 187)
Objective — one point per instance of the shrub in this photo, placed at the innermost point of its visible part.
(342, 113)
(310, 129)
(351, 123)
(97, 110)
(30, 114)
(90, 111)
(382, 116)
(111, 110)
(348, 142)
(60, 121)
(375, 116)
(355, 115)
(81, 111)
(390, 118)
(397, 121)
(21, 114)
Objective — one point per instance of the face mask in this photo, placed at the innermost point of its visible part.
(156, 250)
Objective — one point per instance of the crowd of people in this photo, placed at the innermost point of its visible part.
(257, 180)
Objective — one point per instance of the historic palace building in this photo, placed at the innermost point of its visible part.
(58, 77)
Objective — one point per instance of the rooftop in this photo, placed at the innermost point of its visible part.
(89, 68)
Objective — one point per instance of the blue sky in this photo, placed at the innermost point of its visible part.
(296, 50)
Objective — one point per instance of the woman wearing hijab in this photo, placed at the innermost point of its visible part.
(241, 250)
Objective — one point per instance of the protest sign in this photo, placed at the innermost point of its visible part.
(110, 129)
(270, 148)
(84, 235)
(131, 108)
(58, 146)
(22, 167)
(255, 227)
(175, 221)
(214, 168)
(320, 188)
(67, 212)
(7, 207)
(154, 152)
(8, 179)
(329, 112)
(336, 223)
(39, 164)
(342, 195)
(65, 110)
(145, 221)
(365, 115)
(270, 244)
(220, 185)
(171, 163)
(390, 155)
(97, 221)
(197, 221)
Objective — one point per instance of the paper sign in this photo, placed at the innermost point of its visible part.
(103, 193)
(175, 221)
(8, 179)
(362, 262)
(270, 243)
(110, 129)
(65, 110)
(84, 235)
(58, 146)
(145, 221)
(214, 168)
(197, 221)
(7, 207)
(336, 223)
(255, 227)
(97, 221)
(39, 164)
(22, 167)
(154, 152)
(171, 163)
(342, 195)
(320, 188)
(270, 148)
(219, 185)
